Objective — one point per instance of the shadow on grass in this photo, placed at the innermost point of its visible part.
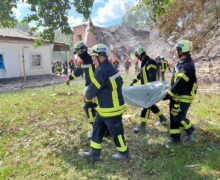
(151, 158)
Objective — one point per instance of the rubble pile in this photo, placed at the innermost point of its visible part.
(124, 39)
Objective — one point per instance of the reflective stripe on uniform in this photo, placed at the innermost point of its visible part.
(184, 98)
(88, 100)
(193, 92)
(162, 68)
(86, 66)
(114, 76)
(176, 105)
(112, 114)
(181, 129)
(151, 66)
(91, 117)
(93, 79)
(186, 126)
(91, 73)
(159, 113)
(171, 93)
(157, 77)
(147, 114)
(96, 83)
(144, 74)
(144, 119)
(108, 112)
(123, 147)
(117, 109)
(164, 65)
(184, 76)
(73, 75)
(96, 100)
(95, 145)
(181, 98)
(115, 100)
(181, 75)
(174, 131)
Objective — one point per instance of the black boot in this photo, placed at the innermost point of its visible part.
(93, 154)
(190, 133)
(174, 139)
(141, 128)
(121, 155)
(162, 119)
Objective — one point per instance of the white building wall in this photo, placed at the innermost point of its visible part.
(11, 56)
(13, 60)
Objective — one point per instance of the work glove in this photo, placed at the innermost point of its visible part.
(133, 82)
(67, 81)
(176, 109)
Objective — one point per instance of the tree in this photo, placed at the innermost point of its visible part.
(156, 8)
(6, 15)
(136, 18)
(23, 26)
(60, 37)
(84, 7)
(50, 15)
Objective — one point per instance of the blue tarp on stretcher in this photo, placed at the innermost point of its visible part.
(145, 95)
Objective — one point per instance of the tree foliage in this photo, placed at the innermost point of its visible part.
(84, 7)
(49, 15)
(60, 37)
(136, 18)
(23, 26)
(192, 19)
(155, 8)
(6, 15)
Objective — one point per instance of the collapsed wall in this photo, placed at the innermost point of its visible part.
(124, 39)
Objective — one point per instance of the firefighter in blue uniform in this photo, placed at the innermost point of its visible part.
(107, 87)
(182, 92)
(88, 68)
(148, 73)
(164, 65)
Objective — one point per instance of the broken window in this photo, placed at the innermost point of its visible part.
(2, 65)
(36, 60)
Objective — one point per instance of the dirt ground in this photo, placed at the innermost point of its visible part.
(33, 81)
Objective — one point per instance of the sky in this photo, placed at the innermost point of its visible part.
(104, 12)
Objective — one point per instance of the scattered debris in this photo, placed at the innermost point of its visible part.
(193, 165)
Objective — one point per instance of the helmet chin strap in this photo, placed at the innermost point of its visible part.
(98, 59)
(180, 54)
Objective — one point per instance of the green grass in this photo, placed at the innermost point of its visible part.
(41, 134)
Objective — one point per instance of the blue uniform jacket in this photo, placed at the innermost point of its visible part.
(184, 81)
(87, 68)
(148, 72)
(107, 87)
